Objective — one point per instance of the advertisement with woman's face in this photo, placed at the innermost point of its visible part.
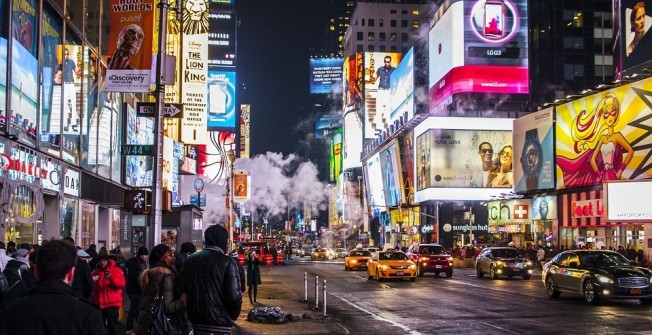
(636, 21)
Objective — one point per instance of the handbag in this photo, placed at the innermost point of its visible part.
(160, 323)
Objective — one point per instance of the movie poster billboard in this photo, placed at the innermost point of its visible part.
(130, 46)
(534, 154)
(325, 74)
(605, 137)
(402, 89)
(221, 100)
(140, 130)
(221, 39)
(636, 40)
(390, 165)
(378, 68)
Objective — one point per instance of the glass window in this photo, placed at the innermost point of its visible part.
(573, 18)
(51, 81)
(3, 69)
(381, 37)
(404, 11)
(371, 36)
(392, 23)
(115, 227)
(404, 37)
(415, 12)
(360, 35)
(363, 22)
(415, 24)
(372, 23)
(112, 105)
(70, 117)
(359, 48)
(68, 220)
(380, 22)
(87, 225)
(140, 130)
(382, 47)
(404, 23)
(372, 48)
(392, 11)
(573, 71)
(392, 37)
(93, 156)
(392, 48)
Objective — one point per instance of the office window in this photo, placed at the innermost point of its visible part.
(392, 48)
(380, 22)
(573, 71)
(392, 23)
(393, 11)
(359, 48)
(404, 11)
(372, 48)
(392, 37)
(372, 22)
(573, 18)
(381, 37)
(360, 36)
(363, 22)
(382, 48)
(371, 36)
(404, 23)
(415, 24)
(404, 37)
(573, 43)
(603, 46)
(415, 12)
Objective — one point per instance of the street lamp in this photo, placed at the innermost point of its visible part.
(230, 155)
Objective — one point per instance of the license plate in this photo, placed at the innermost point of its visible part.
(635, 291)
(400, 273)
(437, 266)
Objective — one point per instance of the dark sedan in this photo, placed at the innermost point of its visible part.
(502, 261)
(597, 275)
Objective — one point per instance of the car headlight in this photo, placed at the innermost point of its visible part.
(604, 279)
(528, 263)
(499, 263)
(413, 266)
(650, 280)
(450, 259)
(353, 261)
(383, 267)
(423, 259)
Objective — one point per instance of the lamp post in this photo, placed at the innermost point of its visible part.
(231, 157)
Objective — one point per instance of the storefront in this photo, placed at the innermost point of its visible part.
(510, 222)
(582, 224)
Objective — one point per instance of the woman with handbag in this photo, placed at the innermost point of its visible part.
(158, 282)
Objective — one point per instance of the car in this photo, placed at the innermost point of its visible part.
(499, 261)
(341, 253)
(431, 258)
(306, 250)
(596, 275)
(356, 259)
(391, 264)
(320, 253)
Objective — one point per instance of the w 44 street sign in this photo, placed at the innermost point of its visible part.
(136, 150)
(148, 109)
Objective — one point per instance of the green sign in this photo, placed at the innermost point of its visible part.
(137, 150)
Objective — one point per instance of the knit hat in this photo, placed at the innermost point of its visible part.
(216, 235)
(157, 253)
(21, 252)
(142, 251)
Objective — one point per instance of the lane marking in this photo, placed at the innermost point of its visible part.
(378, 317)
(497, 327)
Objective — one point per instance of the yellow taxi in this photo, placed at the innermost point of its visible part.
(320, 253)
(356, 259)
(391, 264)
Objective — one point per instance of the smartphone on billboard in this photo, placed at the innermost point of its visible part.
(217, 99)
(494, 18)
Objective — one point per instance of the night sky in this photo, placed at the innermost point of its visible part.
(273, 44)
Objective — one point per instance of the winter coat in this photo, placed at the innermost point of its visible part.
(151, 279)
(108, 292)
(253, 272)
(135, 268)
(241, 274)
(82, 283)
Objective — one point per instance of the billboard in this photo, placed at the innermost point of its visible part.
(407, 160)
(534, 151)
(335, 159)
(378, 68)
(402, 89)
(390, 165)
(130, 44)
(454, 155)
(221, 100)
(325, 74)
(140, 130)
(373, 179)
(604, 136)
(221, 39)
(352, 82)
(622, 206)
(492, 56)
(636, 41)
(352, 141)
(327, 123)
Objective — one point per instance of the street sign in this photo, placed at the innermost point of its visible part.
(136, 150)
(148, 109)
(199, 185)
(202, 200)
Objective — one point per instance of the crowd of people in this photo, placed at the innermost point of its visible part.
(60, 288)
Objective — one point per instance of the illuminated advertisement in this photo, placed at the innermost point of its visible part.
(352, 82)
(245, 132)
(221, 100)
(24, 70)
(502, 212)
(390, 164)
(454, 156)
(635, 25)
(194, 71)
(402, 89)
(374, 178)
(168, 158)
(51, 40)
(327, 123)
(130, 44)
(335, 159)
(407, 160)
(140, 130)
(621, 206)
(67, 92)
(352, 142)
(492, 56)
(378, 68)
(3, 75)
(221, 39)
(212, 160)
(325, 74)
(605, 137)
(173, 48)
(544, 208)
(534, 152)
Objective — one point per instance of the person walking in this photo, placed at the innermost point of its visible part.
(211, 282)
(51, 307)
(274, 253)
(109, 282)
(135, 267)
(253, 275)
(541, 255)
(161, 274)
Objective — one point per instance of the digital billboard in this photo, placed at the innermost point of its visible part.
(221, 100)
(407, 160)
(352, 82)
(374, 181)
(635, 23)
(454, 156)
(140, 130)
(325, 74)
(335, 159)
(352, 141)
(402, 89)
(605, 136)
(378, 68)
(534, 151)
(492, 56)
(326, 123)
(221, 39)
(390, 165)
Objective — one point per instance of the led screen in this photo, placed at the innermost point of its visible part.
(325, 74)
(335, 159)
(407, 160)
(605, 137)
(221, 39)
(352, 82)
(221, 99)
(326, 123)
(140, 130)
(378, 68)
(635, 22)
(352, 144)
(374, 174)
(390, 164)
(534, 152)
(402, 89)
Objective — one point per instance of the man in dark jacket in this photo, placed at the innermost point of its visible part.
(211, 282)
(83, 283)
(135, 266)
(51, 306)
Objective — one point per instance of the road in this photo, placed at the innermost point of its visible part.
(458, 305)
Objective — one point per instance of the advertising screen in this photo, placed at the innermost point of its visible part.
(374, 174)
(221, 100)
(140, 130)
(621, 206)
(352, 82)
(325, 74)
(221, 39)
(407, 160)
(390, 165)
(378, 68)
(335, 159)
(402, 89)
(605, 137)
(352, 144)
(534, 152)
(635, 21)
(326, 123)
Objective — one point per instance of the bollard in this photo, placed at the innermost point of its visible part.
(316, 292)
(324, 288)
(305, 287)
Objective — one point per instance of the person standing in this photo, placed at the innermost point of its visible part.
(3, 256)
(82, 283)
(135, 267)
(187, 249)
(109, 282)
(51, 307)
(253, 275)
(541, 255)
(211, 282)
(274, 253)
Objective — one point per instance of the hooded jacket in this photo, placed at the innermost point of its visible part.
(108, 292)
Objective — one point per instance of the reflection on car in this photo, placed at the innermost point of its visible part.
(502, 261)
(596, 275)
(391, 264)
(356, 259)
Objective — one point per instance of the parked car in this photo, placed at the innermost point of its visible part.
(502, 261)
(391, 264)
(356, 259)
(431, 258)
(597, 275)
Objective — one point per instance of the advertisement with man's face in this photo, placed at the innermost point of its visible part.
(534, 152)
(605, 137)
(636, 20)
(402, 89)
(378, 68)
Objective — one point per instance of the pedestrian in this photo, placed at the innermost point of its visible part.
(16, 286)
(21, 264)
(211, 282)
(93, 263)
(241, 271)
(109, 282)
(641, 257)
(3, 256)
(541, 255)
(187, 249)
(135, 267)
(92, 250)
(11, 248)
(274, 253)
(161, 275)
(51, 307)
(82, 283)
(253, 275)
